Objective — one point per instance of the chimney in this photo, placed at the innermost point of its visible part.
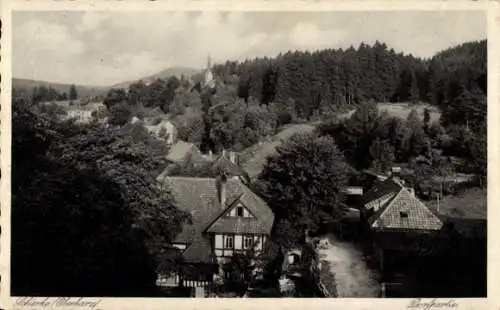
(221, 184)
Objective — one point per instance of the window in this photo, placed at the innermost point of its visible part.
(403, 214)
(239, 211)
(248, 242)
(229, 242)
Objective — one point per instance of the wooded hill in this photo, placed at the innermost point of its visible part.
(316, 81)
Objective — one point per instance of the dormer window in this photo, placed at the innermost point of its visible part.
(239, 211)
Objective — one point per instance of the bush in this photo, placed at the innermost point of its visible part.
(121, 113)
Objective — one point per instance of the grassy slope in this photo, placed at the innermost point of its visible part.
(470, 204)
(403, 110)
(255, 157)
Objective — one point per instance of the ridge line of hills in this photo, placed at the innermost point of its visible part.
(94, 90)
(178, 71)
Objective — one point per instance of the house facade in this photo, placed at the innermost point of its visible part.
(164, 130)
(227, 219)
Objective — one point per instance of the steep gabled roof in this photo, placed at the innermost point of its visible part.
(405, 212)
(199, 197)
(261, 223)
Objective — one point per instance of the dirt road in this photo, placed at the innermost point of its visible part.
(352, 276)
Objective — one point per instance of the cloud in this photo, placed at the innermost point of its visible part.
(90, 21)
(104, 48)
(310, 36)
(38, 36)
(44, 49)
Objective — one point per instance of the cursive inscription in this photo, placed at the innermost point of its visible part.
(432, 304)
(47, 302)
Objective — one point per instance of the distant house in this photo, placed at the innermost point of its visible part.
(227, 218)
(395, 219)
(228, 163)
(82, 113)
(163, 130)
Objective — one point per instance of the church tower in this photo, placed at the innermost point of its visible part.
(209, 77)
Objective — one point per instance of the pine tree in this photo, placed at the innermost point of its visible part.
(73, 95)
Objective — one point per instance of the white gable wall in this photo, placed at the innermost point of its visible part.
(233, 211)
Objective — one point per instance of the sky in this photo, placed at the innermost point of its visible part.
(106, 48)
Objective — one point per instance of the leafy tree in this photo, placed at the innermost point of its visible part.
(51, 110)
(285, 112)
(73, 230)
(356, 134)
(395, 130)
(382, 153)
(479, 155)
(73, 95)
(168, 94)
(132, 158)
(302, 183)
(136, 93)
(416, 140)
(238, 271)
(120, 114)
(115, 96)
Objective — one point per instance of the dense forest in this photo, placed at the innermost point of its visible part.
(319, 80)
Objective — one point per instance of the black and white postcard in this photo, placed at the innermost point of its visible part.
(249, 154)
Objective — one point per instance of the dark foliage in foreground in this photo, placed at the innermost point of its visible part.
(87, 219)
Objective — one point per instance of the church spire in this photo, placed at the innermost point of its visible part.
(209, 78)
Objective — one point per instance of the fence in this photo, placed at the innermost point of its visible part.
(176, 281)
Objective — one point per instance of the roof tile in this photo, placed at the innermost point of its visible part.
(396, 208)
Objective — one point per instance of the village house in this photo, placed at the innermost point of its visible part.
(228, 163)
(164, 130)
(227, 218)
(396, 222)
